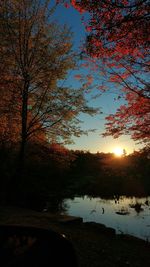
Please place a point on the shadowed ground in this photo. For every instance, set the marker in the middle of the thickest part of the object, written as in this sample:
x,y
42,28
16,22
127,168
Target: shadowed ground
x,y
95,245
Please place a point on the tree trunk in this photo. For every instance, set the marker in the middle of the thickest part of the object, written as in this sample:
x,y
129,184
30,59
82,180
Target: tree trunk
x,y
24,114
15,181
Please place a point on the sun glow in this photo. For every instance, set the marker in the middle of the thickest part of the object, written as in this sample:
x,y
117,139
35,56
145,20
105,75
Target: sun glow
x,y
118,151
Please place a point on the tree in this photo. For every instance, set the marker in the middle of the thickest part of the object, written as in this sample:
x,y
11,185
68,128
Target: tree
x,y
37,55
117,43
114,26
133,118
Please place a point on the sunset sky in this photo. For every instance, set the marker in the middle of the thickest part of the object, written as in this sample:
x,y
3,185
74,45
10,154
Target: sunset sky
x,y
93,142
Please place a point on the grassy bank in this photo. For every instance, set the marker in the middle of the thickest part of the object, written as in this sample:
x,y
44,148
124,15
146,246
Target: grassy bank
x,y
95,246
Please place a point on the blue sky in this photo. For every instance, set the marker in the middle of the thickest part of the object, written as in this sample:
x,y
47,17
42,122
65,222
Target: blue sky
x,y
93,142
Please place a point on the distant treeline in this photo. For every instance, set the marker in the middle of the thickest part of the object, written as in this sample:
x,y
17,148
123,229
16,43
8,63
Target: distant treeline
x,y
52,173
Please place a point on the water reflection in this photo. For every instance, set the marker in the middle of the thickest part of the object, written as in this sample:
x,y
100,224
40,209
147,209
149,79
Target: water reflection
x,y
137,206
129,215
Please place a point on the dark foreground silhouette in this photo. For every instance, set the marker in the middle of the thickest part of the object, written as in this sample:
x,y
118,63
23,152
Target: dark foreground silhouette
x,y
29,246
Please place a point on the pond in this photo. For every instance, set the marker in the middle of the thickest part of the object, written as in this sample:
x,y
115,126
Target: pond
x,y
127,215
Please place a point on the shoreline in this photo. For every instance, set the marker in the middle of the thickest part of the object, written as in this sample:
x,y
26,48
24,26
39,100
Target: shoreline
x,y
22,216
95,245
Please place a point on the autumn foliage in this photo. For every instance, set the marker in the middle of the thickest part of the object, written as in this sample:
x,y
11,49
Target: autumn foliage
x,y
35,57
116,28
118,44
133,119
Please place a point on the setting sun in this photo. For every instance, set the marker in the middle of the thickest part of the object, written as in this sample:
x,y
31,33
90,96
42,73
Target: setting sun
x,y
118,151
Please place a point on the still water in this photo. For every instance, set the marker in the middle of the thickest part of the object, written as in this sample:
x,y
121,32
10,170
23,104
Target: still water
x,y
128,215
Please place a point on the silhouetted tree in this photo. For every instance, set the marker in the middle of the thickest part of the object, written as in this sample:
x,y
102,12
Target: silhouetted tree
x,y
38,54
